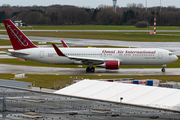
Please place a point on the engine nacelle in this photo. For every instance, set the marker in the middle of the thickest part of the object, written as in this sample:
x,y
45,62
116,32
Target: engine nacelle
x,y
112,64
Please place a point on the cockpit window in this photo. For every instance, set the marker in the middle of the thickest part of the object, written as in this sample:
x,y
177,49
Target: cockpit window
x,y
171,54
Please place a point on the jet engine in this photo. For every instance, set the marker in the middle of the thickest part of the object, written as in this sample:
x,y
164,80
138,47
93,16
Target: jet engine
x,y
110,64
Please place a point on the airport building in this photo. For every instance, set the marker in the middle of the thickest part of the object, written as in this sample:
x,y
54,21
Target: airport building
x,y
90,99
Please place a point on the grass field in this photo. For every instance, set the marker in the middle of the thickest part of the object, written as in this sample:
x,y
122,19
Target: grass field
x,y
123,36
5,42
119,36
142,37
46,81
93,27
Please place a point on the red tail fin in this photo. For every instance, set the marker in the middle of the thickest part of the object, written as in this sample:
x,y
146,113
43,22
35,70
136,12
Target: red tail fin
x,y
17,37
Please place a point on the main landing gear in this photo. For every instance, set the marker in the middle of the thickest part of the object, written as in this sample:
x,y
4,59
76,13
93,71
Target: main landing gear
x,y
90,68
163,69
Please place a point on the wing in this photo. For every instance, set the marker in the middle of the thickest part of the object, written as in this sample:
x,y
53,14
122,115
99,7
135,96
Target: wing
x,y
64,44
84,60
87,60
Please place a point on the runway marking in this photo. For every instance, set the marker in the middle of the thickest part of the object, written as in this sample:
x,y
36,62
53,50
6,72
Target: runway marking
x,y
14,118
43,72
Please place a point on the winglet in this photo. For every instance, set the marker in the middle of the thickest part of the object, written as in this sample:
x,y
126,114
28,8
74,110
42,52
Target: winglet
x,y
64,44
58,51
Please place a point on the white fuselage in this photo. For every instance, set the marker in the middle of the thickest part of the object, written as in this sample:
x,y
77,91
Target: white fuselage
x,y
126,56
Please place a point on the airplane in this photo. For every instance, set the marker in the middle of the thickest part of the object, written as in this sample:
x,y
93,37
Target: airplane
x,y
64,44
109,58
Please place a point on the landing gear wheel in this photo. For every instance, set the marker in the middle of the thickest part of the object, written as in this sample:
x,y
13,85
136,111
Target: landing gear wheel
x,y
88,69
163,70
92,69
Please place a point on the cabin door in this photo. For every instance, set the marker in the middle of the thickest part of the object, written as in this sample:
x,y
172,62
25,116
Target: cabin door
x,y
160,55
41,55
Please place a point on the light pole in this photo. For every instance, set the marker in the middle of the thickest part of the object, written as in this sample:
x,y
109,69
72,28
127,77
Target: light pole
x,y
146,5
114,5
160,5
121,98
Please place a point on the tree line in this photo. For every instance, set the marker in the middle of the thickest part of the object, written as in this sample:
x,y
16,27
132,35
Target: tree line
x,y
102,15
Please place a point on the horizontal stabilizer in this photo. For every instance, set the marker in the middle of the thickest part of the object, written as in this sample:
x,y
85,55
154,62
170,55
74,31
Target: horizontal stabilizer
x,y
14,53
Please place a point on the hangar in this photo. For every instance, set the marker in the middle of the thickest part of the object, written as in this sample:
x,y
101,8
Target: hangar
x,y
129,93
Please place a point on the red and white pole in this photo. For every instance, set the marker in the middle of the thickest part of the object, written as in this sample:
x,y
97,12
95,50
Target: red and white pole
x,y
154,24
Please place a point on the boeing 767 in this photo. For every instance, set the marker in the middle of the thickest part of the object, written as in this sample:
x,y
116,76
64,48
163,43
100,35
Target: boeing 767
x,y
109,58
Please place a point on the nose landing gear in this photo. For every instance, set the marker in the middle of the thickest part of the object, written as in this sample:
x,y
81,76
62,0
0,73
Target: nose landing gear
x,y
163,69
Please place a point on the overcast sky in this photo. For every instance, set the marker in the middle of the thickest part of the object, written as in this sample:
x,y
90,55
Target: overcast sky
x,y
90,3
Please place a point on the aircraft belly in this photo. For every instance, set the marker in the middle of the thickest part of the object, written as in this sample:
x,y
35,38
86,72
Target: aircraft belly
x,y
29,57
63,61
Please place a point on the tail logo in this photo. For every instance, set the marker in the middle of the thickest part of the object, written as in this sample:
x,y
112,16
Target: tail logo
x,y
14,32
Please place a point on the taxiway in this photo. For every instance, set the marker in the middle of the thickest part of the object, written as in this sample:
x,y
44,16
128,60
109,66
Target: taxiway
x,y
10,69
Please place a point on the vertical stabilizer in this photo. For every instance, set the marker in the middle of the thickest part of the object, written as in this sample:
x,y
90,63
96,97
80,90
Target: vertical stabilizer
x,y
17,37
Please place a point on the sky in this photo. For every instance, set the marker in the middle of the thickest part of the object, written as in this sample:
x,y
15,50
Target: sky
x,y
90,3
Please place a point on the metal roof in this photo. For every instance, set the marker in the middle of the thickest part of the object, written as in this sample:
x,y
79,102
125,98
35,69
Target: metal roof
x,y
131,93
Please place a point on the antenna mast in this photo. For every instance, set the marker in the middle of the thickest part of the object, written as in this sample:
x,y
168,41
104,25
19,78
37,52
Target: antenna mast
x,y
146,5
114,5
160,5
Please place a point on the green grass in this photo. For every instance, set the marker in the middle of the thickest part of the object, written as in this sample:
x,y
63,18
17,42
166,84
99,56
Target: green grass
x,y
8,42
5,42
16,61
46,81
2,25
93,27
141,37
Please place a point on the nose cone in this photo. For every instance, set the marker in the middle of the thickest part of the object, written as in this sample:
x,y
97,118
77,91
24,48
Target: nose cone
x,y
175,58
